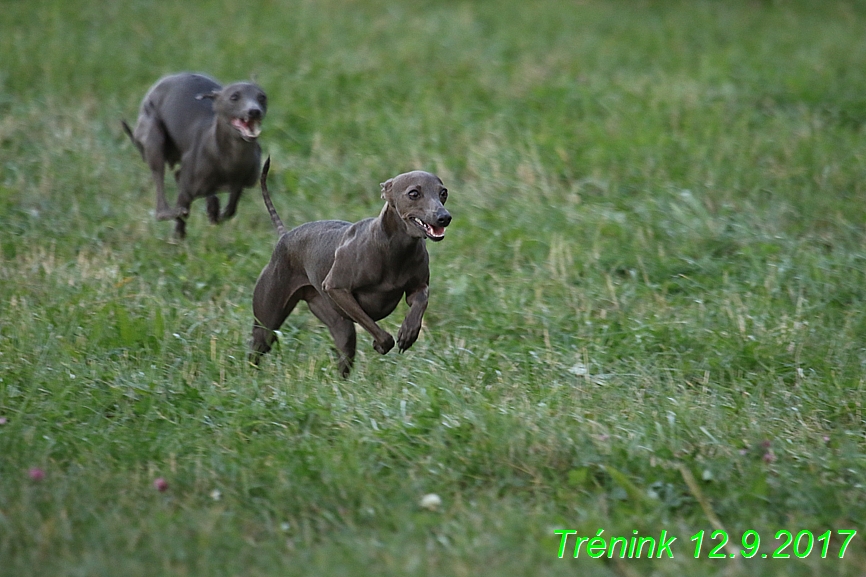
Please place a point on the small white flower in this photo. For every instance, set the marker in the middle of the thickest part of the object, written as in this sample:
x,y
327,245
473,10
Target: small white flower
x,y
216,495
431,501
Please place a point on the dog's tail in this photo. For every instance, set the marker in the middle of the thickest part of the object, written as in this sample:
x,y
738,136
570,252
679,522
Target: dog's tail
x,y
128,132
275,218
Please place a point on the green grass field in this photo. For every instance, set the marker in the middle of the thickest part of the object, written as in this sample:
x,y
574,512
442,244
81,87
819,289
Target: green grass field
x,y
649,313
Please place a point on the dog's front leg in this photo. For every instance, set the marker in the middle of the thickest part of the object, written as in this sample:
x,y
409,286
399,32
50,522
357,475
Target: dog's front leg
x,y
382,341
232,206
408,333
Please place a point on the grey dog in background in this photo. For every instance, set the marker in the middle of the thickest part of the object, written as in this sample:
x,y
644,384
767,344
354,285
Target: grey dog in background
x,y
211,131
354,273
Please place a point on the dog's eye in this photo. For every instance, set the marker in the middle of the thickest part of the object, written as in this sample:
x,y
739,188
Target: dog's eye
x,y
443,195
414,194
262,99
234,97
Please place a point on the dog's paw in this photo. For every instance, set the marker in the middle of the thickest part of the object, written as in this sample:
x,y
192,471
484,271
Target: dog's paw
x,y
407,337
172,213
385,345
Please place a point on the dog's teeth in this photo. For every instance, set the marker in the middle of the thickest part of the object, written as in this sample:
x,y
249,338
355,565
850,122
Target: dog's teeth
x,y
434,232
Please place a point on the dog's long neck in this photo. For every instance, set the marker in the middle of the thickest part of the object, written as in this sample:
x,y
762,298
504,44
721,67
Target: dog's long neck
x,y
394,228
229,146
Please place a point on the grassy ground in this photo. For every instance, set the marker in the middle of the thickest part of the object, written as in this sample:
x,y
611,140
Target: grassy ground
x,y
648,314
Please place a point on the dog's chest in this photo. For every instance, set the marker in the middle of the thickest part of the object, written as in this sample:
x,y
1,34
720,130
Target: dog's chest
x,y
224,172
380,303
379,299
378,274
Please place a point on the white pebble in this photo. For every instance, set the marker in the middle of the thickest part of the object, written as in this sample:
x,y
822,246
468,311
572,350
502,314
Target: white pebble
x,y
431,501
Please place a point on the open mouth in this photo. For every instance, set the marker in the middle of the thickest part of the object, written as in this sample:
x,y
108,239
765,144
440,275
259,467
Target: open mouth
x,y
249,129
435,233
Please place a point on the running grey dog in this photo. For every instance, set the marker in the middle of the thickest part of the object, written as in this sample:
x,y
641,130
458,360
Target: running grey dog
x,y
354,273
211,131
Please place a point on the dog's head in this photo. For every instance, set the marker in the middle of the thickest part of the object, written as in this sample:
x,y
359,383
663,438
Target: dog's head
x,y
243,105
418,198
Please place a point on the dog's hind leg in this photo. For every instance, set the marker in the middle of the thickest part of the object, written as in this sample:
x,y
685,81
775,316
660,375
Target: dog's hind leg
x,y
152,141
273,301
157,170
265,329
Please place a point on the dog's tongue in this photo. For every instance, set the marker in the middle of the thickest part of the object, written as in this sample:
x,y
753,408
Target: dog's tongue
x,y
438,230
249,130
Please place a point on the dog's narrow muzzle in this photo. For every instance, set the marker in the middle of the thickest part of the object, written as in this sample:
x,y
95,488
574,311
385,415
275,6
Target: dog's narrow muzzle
x,y
443,218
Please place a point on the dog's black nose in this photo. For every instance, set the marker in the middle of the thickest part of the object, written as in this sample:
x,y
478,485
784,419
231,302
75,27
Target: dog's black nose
x,y
255,113
443,219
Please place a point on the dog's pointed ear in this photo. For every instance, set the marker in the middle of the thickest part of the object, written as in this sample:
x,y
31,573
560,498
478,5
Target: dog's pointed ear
x,y
209,95
386,186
